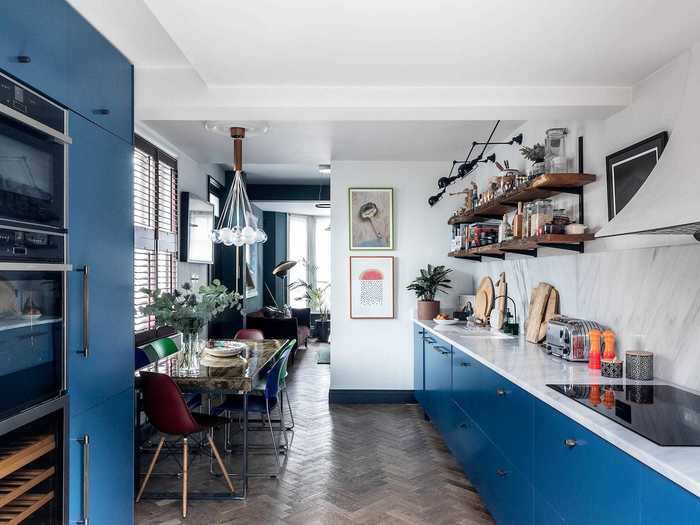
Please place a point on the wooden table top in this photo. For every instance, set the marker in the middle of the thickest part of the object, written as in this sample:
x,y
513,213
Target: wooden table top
x,y
240,376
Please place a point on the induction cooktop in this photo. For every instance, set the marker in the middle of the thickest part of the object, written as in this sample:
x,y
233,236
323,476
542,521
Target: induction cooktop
x,y
664,414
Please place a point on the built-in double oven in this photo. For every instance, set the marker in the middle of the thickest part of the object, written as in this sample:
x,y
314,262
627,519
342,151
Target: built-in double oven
x,y
33,278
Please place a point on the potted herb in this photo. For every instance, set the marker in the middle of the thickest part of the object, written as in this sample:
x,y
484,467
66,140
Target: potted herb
x,y
188,312
534,154
315,297
427,285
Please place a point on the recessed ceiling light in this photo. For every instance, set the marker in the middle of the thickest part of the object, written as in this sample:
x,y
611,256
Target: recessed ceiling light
x,y
323,205
324,169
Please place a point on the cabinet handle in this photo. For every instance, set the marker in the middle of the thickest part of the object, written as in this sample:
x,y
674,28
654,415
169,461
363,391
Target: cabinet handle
x,y
570,443
442,350
430,340
463,425
85,352
502,473
500,392
24,59
85,442
101,111
465,364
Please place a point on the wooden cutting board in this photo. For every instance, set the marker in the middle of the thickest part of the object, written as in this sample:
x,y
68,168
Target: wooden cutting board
x,y
552,310
535,315
485,286
480,305
501,293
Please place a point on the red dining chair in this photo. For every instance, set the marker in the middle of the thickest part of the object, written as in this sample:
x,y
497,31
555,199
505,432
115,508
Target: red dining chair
x,y
168,413
249,333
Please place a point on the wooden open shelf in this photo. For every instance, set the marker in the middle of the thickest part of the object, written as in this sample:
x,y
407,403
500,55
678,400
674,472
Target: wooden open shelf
x,y
21,482
22,452
527,246
541,187
23,507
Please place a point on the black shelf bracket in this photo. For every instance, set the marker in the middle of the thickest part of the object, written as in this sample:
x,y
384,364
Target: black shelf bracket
x,y
578,247
494,255
529,253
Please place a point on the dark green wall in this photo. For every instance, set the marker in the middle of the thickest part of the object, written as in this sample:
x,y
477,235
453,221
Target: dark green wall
x,y
256,303
274,251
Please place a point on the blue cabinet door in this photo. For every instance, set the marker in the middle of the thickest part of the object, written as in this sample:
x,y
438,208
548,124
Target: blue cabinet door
x,y
101,237
418,364
572,466
438,380
665,502
544,513
33,44
101,79
109,470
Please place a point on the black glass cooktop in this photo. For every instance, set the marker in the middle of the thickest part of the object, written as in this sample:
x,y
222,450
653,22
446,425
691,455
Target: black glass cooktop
x,y
664,414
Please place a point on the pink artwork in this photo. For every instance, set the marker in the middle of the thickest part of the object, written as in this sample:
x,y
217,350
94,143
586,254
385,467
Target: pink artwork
x,y
371,287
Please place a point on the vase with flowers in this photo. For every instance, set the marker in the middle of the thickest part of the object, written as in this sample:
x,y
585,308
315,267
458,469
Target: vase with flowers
x,y
188,311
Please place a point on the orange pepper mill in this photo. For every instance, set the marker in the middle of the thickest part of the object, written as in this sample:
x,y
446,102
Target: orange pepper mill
x,y
609,337
594,354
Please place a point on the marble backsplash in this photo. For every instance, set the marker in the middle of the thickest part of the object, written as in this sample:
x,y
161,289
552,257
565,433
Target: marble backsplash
x,y
650,297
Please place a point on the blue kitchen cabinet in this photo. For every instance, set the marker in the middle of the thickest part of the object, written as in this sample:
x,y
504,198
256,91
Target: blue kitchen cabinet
x,y
418,364
33,44
100,79
665,502
438,381
103,467
584,477
543,513
101,238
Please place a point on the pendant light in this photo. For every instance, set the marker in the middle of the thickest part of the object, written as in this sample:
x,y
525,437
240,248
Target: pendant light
x,y
238,225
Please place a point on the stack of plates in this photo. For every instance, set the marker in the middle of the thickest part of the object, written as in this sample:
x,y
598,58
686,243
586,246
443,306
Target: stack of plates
x,y
232,349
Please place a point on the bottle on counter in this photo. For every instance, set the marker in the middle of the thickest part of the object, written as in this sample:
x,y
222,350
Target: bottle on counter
x,y
609,340
594,354
518,219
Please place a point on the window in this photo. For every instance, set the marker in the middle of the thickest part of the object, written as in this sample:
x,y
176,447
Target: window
x,y
155,225
309,238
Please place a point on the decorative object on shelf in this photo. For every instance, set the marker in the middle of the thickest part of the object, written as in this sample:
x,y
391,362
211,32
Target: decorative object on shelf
x,y
371,218
639,365
465,307
431,281
188,312
534,154
555,160
371,287
315,297
575,229
628,168
611,368
484,300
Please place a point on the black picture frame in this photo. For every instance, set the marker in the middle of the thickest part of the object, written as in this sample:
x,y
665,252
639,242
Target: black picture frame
x,y
627,169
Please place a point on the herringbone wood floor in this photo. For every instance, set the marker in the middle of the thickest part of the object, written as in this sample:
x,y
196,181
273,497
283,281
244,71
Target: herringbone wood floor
x,y
348,464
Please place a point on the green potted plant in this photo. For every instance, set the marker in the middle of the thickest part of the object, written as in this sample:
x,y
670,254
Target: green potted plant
x,y
426,286
534,154
315,297
188,312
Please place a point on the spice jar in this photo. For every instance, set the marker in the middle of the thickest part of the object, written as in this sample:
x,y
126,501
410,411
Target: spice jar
x,y
555,150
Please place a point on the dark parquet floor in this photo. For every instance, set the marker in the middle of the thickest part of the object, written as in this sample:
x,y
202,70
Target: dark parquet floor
x,y
348,464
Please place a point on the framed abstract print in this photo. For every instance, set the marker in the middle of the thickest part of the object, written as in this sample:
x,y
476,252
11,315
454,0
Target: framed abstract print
x,y
371,287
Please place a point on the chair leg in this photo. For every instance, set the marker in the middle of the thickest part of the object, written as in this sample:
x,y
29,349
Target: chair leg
x,y
150,469
185,469
215,451
289,405
274,440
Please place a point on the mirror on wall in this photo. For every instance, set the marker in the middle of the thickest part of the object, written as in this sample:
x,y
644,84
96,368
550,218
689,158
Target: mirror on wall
x,y
196,224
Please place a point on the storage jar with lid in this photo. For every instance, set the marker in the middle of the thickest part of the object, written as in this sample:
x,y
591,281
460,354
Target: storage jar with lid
x,y
555,160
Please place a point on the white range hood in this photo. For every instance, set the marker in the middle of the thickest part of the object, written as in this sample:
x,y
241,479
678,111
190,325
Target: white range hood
x,y
669,200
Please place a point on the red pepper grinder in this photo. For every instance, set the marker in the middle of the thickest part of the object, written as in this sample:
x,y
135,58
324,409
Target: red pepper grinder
x,y
594,354
609,338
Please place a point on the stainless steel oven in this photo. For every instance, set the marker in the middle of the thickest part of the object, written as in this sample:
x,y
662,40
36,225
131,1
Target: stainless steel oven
x,y
32,319
33,159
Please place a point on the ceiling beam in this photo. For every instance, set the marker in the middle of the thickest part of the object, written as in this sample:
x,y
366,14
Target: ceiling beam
x,y
180,94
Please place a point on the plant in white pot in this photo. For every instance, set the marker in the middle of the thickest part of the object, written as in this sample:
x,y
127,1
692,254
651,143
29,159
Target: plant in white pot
x,y
427,285
316,298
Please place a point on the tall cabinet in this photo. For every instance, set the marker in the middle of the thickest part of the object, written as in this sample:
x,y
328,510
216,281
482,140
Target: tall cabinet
x,y
51,48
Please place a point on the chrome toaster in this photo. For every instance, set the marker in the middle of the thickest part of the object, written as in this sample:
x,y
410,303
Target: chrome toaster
x,y
568,338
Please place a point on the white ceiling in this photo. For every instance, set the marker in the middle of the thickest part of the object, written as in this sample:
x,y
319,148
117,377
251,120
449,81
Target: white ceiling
x,y
381,80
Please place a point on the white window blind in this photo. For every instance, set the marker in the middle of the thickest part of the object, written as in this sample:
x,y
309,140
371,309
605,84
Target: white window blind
x,y
155,225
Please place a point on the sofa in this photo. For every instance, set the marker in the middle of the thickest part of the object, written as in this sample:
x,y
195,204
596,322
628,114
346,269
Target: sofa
x,y
297,327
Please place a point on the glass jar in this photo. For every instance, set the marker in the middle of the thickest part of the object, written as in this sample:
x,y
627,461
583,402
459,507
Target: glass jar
x,y
555,160
560,217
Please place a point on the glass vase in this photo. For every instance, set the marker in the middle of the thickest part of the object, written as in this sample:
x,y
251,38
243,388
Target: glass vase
x,y
188,358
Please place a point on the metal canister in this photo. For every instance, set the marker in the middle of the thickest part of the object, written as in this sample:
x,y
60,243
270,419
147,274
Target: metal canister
x,y
639,365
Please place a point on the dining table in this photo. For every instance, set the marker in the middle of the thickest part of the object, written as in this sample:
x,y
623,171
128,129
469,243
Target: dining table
x,y
219,376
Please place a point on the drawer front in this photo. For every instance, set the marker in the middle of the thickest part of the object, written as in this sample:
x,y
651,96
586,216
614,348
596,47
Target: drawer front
x,y
465,380
470,447
418,364
438,380
664,502
570,466
543,513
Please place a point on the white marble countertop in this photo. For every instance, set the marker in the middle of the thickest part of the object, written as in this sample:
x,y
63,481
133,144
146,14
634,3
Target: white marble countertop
x,y
531,368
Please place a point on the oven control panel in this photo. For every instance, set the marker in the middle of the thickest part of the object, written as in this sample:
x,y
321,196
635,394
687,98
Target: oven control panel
x,y
31,246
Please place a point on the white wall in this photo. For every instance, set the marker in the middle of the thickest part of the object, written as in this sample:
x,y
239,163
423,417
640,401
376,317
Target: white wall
x,y
377,354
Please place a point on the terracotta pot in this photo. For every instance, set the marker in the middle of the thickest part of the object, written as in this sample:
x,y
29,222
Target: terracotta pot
x,y
427,310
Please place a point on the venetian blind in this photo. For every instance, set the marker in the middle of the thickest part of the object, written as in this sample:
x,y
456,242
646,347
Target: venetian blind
x,y
155,225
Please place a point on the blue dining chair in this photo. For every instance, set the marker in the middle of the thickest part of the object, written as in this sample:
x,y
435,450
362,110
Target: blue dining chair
x,y
263,404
